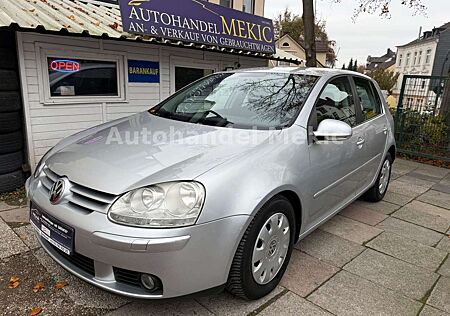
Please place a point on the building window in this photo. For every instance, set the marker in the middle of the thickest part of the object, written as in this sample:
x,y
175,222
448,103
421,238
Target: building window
x,y
428,58
285,44
226,3
407,58
400,60
419,61
415,58
82,77
249,6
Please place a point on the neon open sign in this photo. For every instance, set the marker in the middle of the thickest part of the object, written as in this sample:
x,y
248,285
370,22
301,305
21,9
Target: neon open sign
x,y
65,65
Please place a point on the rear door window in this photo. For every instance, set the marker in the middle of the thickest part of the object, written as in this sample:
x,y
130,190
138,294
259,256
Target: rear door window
x,y
368,98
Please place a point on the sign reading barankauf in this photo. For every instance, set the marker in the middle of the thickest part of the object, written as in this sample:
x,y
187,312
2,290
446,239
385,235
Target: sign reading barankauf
x,y
199,22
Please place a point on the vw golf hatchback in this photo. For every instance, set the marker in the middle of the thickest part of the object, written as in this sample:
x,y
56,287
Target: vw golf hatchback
x,y
211,188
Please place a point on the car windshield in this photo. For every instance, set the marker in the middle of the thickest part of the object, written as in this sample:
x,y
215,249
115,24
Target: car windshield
x,y
247,100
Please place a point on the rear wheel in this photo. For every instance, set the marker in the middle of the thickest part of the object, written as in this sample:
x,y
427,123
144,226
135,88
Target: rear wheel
x,y
379,189
264,251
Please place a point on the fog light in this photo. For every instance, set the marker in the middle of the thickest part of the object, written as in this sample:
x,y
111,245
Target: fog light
x,y
148,282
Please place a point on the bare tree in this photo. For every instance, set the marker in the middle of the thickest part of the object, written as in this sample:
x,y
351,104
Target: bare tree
x,y
310,37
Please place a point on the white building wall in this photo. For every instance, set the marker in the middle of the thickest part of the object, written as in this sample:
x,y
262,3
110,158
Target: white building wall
x,y
48,123
421,68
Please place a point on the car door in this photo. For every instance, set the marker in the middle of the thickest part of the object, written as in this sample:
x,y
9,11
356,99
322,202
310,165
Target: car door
x,y
373,128
334,164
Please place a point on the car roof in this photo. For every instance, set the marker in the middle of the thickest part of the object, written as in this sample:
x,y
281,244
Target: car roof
x,y
320,72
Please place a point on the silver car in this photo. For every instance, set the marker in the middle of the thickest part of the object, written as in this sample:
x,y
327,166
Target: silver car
x,y
211,188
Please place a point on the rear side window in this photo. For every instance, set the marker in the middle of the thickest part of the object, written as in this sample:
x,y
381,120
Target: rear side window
x,y
368,98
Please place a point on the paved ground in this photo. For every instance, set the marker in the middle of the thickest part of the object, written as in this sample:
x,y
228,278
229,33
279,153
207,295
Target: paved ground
x,y
388,258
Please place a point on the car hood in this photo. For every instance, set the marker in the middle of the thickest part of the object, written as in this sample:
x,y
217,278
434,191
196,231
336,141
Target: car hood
x,y
145,149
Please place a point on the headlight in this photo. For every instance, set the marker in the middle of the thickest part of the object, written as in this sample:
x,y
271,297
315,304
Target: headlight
x,y
172,204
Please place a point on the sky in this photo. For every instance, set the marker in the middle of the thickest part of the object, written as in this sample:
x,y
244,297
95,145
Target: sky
x,y
369,34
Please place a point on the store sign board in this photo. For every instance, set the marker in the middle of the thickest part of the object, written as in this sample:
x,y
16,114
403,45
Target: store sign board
x,y
143,71
200,22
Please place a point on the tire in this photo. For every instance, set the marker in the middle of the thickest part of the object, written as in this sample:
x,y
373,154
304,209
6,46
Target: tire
x,y
11,142
11,162
377,192
10,101
11,181
241,281
9,80
10,122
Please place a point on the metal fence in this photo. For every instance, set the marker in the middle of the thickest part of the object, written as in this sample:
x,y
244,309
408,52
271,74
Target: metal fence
x,y
422,119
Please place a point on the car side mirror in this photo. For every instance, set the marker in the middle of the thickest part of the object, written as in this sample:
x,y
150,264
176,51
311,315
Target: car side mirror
x,y
332,130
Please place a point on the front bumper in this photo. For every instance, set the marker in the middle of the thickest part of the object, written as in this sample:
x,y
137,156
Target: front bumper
x,y
186,260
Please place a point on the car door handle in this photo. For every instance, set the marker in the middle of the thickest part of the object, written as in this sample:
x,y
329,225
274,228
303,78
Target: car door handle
x,y
360,142
385,130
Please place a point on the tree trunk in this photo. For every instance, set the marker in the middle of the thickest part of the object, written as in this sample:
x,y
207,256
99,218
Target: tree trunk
x,y
310,38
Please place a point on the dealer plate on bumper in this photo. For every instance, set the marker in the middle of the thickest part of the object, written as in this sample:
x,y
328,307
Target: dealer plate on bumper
x,y
55,232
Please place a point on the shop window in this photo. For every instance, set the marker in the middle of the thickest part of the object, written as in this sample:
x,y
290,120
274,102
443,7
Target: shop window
x,y
82,78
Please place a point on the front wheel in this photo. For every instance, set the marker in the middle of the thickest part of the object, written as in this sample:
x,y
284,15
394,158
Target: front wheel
x,y
264,251
379,189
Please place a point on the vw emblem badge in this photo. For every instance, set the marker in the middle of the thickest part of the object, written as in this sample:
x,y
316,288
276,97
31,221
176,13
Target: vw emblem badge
x,y
57,191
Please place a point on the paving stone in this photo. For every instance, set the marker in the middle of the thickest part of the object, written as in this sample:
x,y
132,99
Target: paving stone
x,y
408,250
444,269
436,198
350,229
432,171
18,215
305,273
425,215
418,180
381,207
392,273
291,304
396,198
80,292
21,300
444,244
431,311
10,243
411,231
330,248
5,207
173,307
28,236
444,188
418,174
440,297
407,189
348,294
363,214
404,166
228,305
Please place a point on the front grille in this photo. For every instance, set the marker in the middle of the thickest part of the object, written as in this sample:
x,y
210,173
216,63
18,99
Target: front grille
x,y
82,198
126,276
84,263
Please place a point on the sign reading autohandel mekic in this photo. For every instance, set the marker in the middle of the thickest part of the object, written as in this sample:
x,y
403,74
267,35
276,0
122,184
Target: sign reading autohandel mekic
x,y
200,22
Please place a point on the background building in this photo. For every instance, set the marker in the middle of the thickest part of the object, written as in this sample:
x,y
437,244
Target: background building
x,y
423,56
296,47
387,61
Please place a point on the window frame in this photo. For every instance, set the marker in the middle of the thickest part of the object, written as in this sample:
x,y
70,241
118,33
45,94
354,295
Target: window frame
x,y
68,53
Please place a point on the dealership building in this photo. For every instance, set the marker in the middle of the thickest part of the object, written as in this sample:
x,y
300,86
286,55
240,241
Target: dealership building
x,y
68,65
